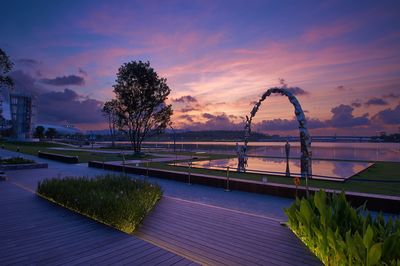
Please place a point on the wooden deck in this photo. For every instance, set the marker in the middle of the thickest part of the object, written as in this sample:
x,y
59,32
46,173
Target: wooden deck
x,y
34,231
217,236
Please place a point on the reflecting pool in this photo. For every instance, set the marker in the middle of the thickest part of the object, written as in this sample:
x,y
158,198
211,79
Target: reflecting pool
x,y
321,169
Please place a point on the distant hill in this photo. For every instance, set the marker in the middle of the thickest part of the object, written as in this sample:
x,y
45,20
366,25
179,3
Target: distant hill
x,y
214,135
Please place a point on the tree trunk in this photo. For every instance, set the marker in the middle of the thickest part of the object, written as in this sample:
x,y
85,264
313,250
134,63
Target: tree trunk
x,y
137,147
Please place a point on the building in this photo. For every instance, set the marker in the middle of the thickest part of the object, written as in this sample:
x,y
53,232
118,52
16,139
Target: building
x,y
21,110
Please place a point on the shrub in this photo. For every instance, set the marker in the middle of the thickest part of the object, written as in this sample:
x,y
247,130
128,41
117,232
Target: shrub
x,y
16,160
341,235
119,201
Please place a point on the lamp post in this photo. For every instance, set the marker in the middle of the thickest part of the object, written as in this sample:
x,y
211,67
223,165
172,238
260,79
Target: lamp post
x,y
287,152
173,132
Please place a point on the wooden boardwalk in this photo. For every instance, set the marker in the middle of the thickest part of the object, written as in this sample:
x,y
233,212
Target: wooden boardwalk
x,y
217,236
36,232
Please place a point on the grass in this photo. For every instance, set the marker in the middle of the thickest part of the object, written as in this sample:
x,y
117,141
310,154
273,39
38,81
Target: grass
x,y
118,201
32,148
16,160
366,181
86,156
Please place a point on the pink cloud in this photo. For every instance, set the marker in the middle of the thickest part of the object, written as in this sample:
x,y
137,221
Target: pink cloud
x,y
330,31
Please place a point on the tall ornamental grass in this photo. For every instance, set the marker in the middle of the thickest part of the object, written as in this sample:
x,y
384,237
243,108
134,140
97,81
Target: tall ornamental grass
x,y
118,201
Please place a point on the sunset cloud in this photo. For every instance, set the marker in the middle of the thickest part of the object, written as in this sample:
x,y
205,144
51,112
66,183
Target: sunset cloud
x,y
64,81
376,101
218,58
331,31
68,107
342,116
389,116
185,99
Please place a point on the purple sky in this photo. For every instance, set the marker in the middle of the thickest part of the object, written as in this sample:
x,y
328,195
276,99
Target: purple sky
x,y
218,58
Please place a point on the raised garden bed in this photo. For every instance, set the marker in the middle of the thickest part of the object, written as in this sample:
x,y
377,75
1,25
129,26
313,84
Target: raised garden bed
x,y
58,157
9,167
15,160
118,201
19,163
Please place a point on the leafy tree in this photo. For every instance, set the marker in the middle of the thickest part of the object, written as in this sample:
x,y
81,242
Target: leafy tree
x,y
141,96
110,111
5,67
51,133
39,132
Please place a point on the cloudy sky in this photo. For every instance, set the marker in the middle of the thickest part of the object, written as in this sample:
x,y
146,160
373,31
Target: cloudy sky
x,y
218,58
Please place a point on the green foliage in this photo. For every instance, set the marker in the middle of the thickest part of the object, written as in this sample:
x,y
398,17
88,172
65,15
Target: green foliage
x,y
340,235
5,67
141,96
15,160
51,133
39,132
119,201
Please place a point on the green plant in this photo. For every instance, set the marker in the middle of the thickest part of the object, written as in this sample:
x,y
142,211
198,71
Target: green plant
x,y
338,234
119,201
16,160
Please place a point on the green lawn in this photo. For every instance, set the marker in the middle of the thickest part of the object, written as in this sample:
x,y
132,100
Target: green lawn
x,y
379,171
86,156
33,148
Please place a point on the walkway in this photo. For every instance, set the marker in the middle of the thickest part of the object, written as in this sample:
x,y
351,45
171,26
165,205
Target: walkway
x,y
34,231
203,224
217,236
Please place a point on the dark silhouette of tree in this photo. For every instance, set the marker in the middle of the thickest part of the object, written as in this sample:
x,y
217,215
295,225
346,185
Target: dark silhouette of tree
x,y
141,96
51,133
39,132
5,67
5,81
110,111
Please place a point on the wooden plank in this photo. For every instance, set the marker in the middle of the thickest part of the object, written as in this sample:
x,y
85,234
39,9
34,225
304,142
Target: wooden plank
x,y
216,235
89,254
170,261
215,250
283,238
35,231
242,247
180,248
282,234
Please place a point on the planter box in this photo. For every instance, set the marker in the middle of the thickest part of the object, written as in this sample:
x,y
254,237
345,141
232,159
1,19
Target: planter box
x,y
9,167
59,157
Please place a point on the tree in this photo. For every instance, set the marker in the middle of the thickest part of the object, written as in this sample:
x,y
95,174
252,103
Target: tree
x,y
39,132
141,96
51,133
5,67
110,111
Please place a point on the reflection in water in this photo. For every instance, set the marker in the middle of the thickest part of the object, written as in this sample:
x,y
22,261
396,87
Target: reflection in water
x,y
321,150
321,169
